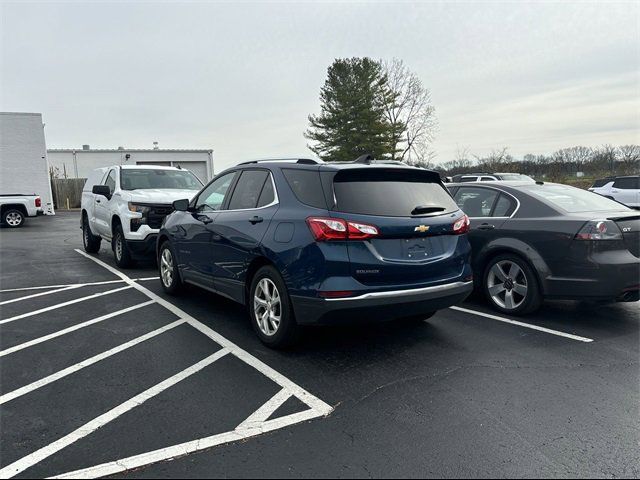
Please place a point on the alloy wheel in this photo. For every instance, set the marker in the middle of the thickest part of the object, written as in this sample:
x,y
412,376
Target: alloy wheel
x,y
507,285
166,267
13,219
267,307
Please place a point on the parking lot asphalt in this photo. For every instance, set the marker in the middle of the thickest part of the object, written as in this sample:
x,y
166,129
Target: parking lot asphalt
x,y
117,378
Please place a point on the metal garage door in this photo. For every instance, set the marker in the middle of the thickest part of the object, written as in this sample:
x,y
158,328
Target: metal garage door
x,y
199,169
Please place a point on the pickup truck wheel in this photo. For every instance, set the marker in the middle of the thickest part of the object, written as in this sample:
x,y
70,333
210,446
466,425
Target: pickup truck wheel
x,y
90,241
13,218
270,309
168,266
120,249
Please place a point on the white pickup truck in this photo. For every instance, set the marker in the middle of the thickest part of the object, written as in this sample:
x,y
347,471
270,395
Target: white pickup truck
x,y
15,208
126,204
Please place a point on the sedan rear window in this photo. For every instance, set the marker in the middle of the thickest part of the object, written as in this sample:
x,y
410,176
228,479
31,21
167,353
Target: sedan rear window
x,y
391,193
573,200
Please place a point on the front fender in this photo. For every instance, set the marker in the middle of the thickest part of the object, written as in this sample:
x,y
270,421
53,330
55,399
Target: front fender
x,y
512,245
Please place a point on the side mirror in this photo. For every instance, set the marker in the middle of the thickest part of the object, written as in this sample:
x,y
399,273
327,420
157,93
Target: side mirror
x,y
103,190
181,205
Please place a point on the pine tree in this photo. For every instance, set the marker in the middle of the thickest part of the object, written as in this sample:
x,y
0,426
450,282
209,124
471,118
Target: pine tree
x,y
352,121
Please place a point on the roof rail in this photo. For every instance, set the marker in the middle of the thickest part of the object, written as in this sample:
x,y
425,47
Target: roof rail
x,y
366,159
305,161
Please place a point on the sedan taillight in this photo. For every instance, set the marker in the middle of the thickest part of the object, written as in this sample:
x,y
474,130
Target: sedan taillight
x,y
327,228
599,230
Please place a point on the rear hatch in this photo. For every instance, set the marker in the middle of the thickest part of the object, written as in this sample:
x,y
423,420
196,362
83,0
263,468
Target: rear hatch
x,y
414,215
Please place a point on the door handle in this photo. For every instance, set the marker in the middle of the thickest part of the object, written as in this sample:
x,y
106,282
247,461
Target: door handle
x,y
255,219
486,226
97,200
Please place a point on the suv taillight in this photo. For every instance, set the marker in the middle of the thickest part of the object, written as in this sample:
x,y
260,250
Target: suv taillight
x,y
38,202
326,228
599,230
461,225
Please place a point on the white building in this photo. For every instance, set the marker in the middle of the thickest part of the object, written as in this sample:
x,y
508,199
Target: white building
x,y
23,157
77,163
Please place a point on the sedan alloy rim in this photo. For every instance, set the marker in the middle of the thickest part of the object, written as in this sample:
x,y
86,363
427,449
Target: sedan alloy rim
x,y
166,267
507,285
267,307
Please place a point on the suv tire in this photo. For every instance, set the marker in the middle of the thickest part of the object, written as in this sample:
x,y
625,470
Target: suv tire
x,y
168,269
270,309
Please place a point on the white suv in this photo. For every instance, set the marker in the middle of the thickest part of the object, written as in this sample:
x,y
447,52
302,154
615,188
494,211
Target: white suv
x,y
127,204
625,190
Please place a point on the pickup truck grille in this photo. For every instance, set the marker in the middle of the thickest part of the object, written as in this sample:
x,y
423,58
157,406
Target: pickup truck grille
x,y
156,215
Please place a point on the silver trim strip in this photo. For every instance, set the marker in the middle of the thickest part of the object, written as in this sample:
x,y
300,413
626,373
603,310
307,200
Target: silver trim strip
x,y
403,293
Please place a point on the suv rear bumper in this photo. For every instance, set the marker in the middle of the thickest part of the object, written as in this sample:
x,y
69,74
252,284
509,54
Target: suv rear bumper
x,y
378,306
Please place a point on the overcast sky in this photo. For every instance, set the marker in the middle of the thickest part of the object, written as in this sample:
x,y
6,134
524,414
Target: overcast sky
x,y
242,77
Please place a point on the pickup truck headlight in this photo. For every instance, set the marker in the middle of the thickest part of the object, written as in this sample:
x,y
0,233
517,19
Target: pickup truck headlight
x,y
141,209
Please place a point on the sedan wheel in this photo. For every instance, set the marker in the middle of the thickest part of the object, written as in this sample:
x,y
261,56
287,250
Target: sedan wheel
x,y
511,285
267,307
507,284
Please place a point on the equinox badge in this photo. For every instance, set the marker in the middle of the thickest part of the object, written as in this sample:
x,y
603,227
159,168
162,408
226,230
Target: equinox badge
x,y
421,228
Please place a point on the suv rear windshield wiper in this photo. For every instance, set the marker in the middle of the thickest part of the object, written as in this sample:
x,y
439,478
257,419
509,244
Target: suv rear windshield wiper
x,y
426,209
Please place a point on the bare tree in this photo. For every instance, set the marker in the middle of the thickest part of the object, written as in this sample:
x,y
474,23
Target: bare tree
x,y
408,108
630,157
494,160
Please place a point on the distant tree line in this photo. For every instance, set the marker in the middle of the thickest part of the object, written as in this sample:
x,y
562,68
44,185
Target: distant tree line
x,y
599,161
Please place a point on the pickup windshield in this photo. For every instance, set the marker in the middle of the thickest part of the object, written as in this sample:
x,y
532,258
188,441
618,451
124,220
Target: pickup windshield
x,y
138,179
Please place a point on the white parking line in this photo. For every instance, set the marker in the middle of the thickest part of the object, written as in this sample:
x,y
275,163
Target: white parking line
x,y
27,297
321,407
44,287
90,427
64,304
73,328
524,325
85,363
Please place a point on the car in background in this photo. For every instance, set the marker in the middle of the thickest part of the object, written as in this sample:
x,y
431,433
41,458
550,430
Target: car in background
x,y
491,177
544,240
625,190
15,208
126,204
302,242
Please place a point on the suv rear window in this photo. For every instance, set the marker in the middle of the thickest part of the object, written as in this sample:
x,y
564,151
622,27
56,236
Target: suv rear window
x,y
390,193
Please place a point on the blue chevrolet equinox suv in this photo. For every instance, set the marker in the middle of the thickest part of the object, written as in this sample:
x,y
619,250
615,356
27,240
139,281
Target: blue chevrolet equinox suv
x,y
303,242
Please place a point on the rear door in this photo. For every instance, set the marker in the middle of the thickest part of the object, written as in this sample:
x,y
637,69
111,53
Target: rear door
x,y
414,215
239,228
625,190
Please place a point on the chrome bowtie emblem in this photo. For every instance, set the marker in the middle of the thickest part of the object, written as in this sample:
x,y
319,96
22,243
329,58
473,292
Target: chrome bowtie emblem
x,y
421,228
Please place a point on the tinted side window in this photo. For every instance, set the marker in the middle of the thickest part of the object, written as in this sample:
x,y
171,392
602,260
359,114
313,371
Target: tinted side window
x,y
627,183
504,207
476,202
487,179
247,191
468,179
267,196
111,180
212,197
306,186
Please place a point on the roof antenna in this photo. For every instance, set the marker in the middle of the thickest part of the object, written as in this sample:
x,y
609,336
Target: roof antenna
x,y
366,159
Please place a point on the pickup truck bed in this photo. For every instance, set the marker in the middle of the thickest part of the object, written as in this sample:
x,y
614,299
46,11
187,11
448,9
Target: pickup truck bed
x,y
16,207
